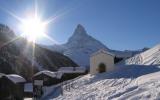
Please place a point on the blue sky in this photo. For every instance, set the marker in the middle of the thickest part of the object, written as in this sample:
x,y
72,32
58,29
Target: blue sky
x,y
119,24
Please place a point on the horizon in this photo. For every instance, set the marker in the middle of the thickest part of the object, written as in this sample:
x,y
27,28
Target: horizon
x,y
120,25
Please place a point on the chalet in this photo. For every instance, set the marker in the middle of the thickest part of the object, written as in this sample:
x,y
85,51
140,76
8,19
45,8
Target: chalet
x,y
11,87
48,77
101,61
43,79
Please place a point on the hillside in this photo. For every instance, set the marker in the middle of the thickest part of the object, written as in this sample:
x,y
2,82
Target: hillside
x,y
17,56
149,57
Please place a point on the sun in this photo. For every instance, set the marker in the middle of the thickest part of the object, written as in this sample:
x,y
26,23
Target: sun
x,y
33,28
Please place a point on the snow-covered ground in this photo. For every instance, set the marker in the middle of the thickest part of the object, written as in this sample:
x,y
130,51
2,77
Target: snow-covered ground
x,y
136,78
131,82
149,57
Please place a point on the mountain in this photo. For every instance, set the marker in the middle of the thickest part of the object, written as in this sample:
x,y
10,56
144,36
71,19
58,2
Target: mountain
x,y
17,56
149,57
80,46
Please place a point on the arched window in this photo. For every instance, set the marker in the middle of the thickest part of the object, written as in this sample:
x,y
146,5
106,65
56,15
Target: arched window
x,y
102,68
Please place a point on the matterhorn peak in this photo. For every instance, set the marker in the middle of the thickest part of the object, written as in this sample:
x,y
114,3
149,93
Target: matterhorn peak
x,y
79,34
80,30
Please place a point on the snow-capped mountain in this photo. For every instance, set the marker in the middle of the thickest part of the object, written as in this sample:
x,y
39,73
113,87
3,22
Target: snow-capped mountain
x,y
81,45
80,39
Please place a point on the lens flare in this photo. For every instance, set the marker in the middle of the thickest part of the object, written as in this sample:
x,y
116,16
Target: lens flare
x,y
33,28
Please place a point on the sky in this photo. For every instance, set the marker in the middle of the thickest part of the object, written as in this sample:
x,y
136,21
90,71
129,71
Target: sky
x,y
119,24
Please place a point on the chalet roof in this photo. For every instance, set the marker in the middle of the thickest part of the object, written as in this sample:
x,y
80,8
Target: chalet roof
x,y
15,78
104,51
72,70
50,73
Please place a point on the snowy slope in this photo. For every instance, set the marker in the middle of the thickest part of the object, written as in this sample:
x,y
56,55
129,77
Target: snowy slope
x,y
149,57
131,83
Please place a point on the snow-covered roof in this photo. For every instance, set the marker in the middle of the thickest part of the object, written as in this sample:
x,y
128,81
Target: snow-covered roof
x,y
72,70
15,78
50,73
102,51
2,74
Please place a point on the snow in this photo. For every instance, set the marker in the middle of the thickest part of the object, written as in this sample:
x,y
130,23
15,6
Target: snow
x,y
51,92
136,78
80,46
50,73
1,74
72,70
148,78
15,78
149,57
55,90
129,83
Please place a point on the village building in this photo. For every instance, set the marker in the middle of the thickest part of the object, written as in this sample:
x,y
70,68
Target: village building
x,y
48,77
101,61
43,79
11,87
